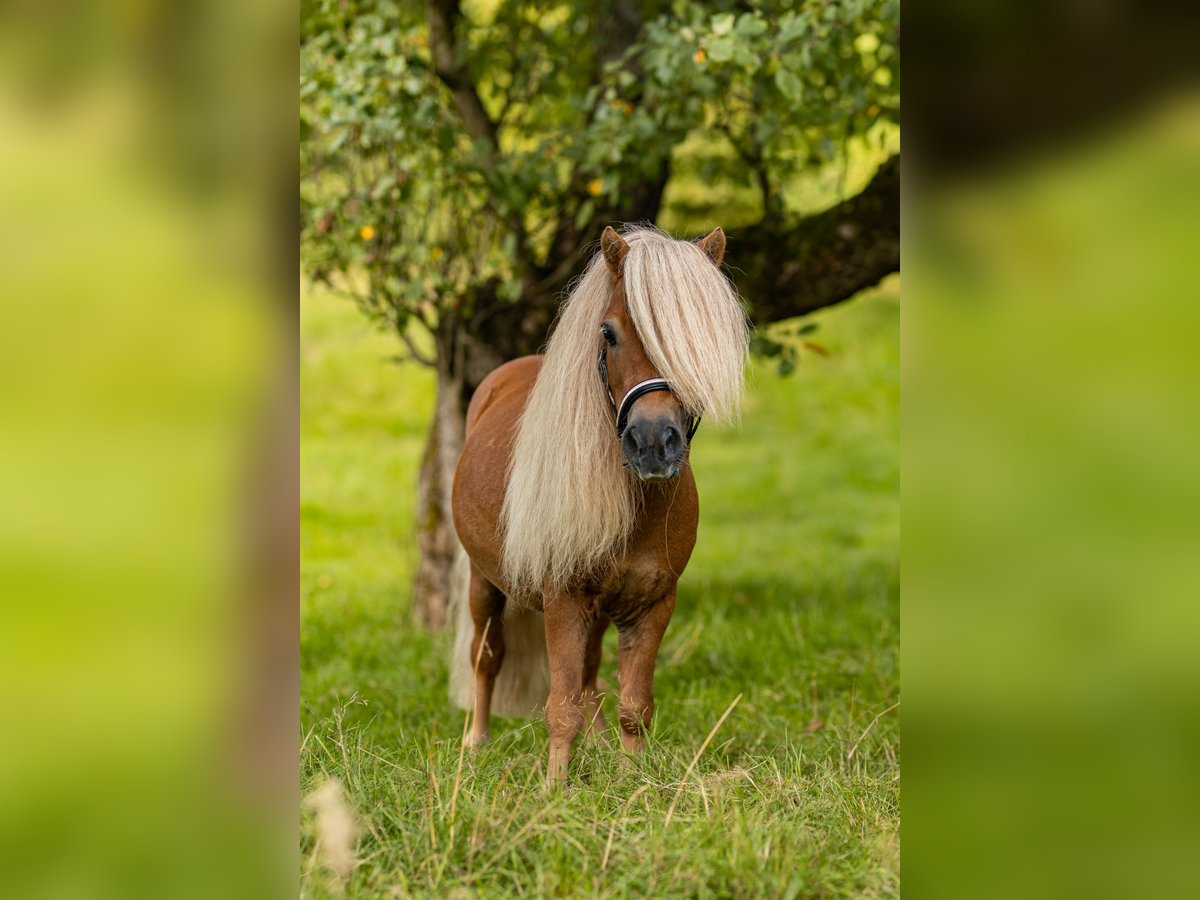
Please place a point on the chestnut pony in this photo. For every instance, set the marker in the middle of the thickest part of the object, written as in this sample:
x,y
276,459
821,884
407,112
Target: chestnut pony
x,y
573,497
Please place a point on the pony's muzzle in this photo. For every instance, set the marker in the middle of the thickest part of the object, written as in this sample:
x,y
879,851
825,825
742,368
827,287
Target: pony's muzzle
x,y
653,448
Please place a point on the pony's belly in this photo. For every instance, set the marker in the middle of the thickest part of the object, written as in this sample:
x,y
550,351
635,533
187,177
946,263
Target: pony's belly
x,y
476,508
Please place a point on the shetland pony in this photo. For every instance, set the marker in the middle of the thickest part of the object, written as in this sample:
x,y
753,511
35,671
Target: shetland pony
x,y
573,497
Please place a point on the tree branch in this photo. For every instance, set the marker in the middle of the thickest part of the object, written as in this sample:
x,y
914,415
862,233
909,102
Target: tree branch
x,y
618,27
413,352
753,158
788,268
442,16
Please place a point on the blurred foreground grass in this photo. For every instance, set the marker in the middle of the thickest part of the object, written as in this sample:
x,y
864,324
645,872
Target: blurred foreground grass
x,y
1051,577
139,359
791,600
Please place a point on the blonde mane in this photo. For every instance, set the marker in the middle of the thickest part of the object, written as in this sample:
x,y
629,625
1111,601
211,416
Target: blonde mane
x,y
570,505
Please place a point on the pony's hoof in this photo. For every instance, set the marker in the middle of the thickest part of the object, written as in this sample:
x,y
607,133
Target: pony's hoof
x,y
476,741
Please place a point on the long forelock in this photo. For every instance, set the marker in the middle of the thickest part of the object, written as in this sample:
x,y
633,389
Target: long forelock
x,y
689,320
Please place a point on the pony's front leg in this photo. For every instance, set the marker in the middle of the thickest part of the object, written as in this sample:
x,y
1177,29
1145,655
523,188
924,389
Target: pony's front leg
x,y
566,643
637,650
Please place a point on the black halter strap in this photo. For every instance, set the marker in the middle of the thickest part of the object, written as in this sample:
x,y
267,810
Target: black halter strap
x,y
649,386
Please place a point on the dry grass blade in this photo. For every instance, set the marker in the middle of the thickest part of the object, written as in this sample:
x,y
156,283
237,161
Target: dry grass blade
x,y
515,841
462,747
617,821
867,730
696,758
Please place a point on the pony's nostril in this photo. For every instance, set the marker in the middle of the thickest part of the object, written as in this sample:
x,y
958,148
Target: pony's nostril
x,y
631,435
671,441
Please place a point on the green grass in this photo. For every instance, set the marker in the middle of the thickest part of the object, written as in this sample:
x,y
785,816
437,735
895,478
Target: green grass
x,y
791,601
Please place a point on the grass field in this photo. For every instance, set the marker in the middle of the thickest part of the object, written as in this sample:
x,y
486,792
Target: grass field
x,y
791,602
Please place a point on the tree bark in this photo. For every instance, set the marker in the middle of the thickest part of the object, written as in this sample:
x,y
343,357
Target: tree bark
x,y
436,540
434,528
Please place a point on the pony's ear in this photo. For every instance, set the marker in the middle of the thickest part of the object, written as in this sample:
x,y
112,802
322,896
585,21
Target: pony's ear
x,y
614,248
714,245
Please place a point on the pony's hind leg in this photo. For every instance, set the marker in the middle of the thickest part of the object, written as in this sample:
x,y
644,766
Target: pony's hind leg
x,y
594,723
487,650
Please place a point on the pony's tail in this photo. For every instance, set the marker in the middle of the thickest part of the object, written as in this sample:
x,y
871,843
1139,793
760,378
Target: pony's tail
x,y
462,681
523,684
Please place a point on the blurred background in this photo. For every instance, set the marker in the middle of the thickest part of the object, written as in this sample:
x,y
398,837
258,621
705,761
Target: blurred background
x,y
1050,383
147,450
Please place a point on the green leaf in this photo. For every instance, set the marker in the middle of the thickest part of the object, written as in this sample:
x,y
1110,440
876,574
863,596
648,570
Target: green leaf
x,y
509,290
720,50
745,57
382,186
761,345
866,43
722,24
585,214
789,85
751,25
792,26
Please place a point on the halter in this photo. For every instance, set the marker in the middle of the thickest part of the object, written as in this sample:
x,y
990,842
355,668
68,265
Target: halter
x,y
649,386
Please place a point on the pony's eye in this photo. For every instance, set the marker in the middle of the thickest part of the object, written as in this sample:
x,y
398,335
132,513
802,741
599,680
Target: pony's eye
x,y
610,336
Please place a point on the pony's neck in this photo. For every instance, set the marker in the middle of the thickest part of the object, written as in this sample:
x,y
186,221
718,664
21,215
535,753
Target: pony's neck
x,y
654,498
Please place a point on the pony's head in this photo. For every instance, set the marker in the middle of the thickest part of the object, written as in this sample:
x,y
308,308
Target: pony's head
x,y
652,424
647,307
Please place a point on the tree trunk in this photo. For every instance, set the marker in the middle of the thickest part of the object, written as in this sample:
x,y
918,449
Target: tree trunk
x,y
436,540
462,362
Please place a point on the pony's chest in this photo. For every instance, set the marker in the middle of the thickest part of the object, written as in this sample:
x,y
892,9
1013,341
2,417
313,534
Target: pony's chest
x,y
625,595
